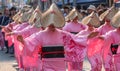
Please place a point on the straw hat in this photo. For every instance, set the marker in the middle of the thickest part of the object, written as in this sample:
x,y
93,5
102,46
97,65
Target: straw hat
x,y
116,20
108,14
86,19
92,7
91,19
26,7
35,19
26,15
74,13
53,16
17,16
95,20
67,19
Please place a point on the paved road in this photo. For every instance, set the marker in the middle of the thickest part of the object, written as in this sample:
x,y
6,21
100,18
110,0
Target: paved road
x,y
6,63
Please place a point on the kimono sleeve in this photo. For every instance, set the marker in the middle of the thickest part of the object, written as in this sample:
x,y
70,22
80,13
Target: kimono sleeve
x,y
107,44
33,43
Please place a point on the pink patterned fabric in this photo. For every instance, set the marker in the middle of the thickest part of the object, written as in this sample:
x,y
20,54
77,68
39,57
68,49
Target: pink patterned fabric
x,y
29,30
58,37
44,38
74,27
113,37
16,43
9,38
26,32
103,29
21,26
94,53
117,61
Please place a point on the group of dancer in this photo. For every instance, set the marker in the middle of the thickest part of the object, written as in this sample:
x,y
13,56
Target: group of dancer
x,y
49,41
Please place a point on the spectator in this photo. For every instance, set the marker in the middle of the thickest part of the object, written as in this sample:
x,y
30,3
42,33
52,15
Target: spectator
x,y
91,8
4,21
66,10
5,17
12,12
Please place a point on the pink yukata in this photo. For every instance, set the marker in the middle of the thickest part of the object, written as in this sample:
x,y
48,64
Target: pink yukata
x,y
94,47
103,29
74,27
89,50
59,38
18,27
112,37
117,60
9,38
29,30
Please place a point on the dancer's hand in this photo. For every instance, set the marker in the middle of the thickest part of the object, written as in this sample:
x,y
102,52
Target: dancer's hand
x,y
93,34
20,39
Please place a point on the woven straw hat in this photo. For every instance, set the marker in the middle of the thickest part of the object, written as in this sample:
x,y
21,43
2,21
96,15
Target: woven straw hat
x,y
53,16
108,14
91,19
16,15
74,13
35,19
67,18
116,20
26,7
26,16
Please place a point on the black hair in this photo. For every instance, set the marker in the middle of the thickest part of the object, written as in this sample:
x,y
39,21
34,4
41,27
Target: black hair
x,y
12,9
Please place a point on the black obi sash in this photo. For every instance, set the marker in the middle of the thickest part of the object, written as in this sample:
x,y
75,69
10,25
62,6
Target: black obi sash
x,y
53,52
74,32
114,48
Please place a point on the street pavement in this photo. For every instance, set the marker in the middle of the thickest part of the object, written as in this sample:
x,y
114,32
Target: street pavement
x,y
6,63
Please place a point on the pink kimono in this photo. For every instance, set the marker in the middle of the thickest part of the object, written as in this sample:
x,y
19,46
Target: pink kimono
x,y
59,38
113,37
117,60
74,27
29,30
16,43
103,29
94,47
9,38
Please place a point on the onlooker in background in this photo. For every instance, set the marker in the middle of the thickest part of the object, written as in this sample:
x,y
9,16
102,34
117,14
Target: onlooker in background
x,y
91,8
101,6
83,12
4,17
0,13
66,10
4,21
12,12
